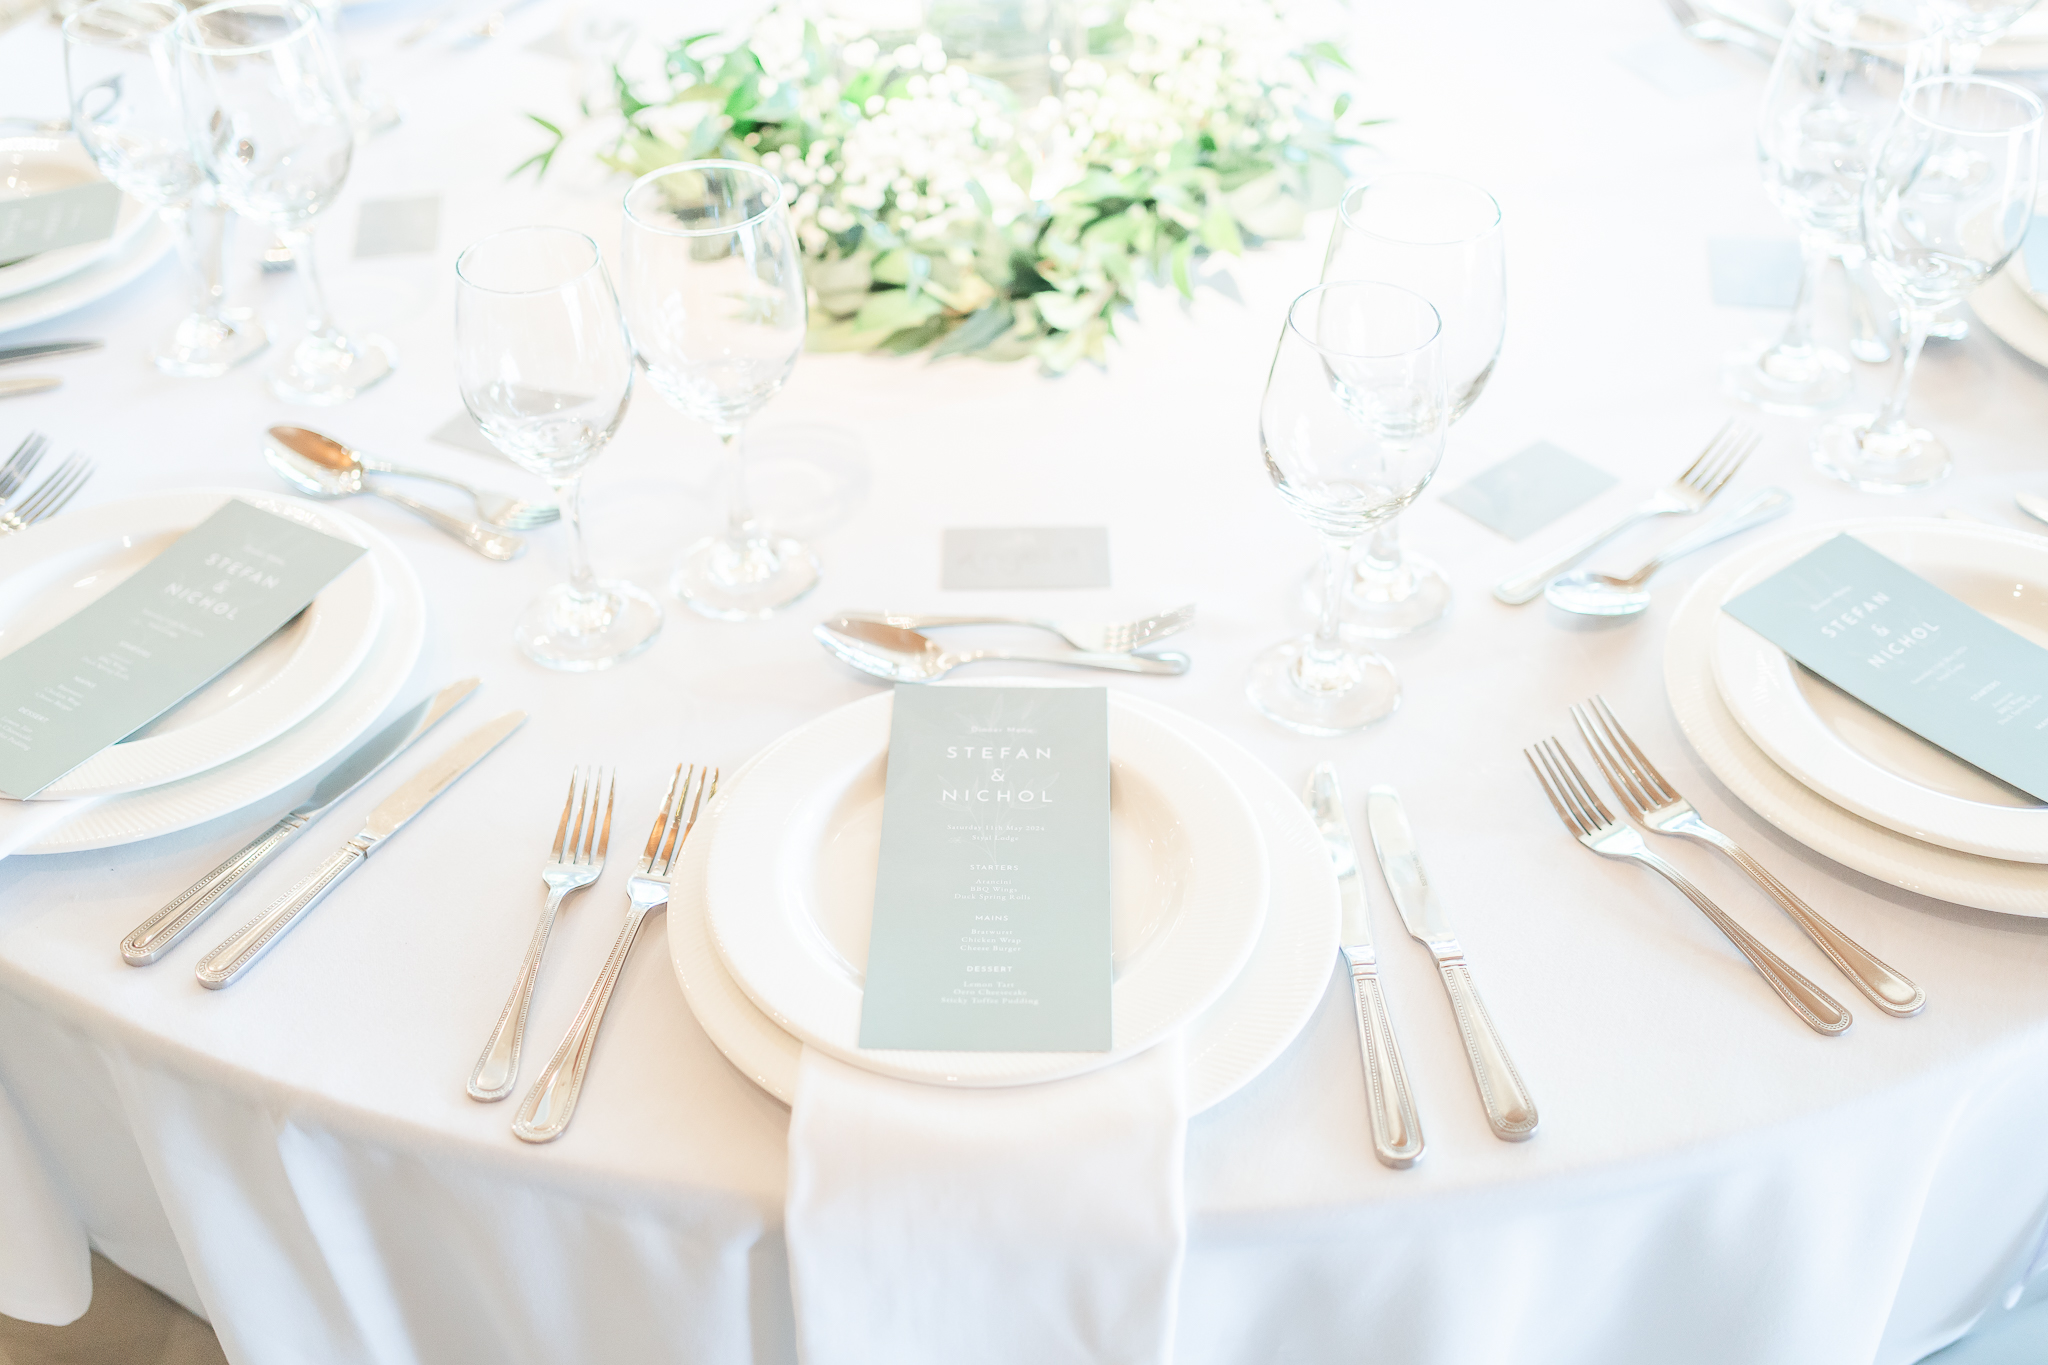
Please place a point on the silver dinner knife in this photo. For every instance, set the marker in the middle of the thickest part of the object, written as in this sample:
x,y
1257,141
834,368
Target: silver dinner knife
x,y
1396,1131
239,951
1508,1106
161,932
10,354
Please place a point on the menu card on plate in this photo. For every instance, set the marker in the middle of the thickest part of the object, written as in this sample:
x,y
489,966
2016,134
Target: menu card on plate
x,y
992,918
1908,650
217,592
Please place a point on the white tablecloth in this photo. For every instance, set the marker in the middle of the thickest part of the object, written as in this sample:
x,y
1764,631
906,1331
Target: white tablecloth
x,y
1713,1182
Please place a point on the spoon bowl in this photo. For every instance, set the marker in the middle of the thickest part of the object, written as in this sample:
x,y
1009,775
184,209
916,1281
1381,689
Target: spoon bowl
x,y
1585,593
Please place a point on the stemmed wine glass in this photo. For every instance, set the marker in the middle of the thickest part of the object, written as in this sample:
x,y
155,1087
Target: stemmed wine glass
x,y
1838,76
716,305
1969,26
1948,200
273,126
1440,237
1352,428
544,366
124,108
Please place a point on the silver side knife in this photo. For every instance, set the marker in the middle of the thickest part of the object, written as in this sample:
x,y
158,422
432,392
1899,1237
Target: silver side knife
x,y
162,931
226,964
1396,1131
10,354
1508,1106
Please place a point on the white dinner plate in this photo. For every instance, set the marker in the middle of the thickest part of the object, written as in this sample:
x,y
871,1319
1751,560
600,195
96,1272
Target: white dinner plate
x,y
295,754
791,883
1803,814
110,274
1850,753
38,164
54,570
1235,1039
2013,315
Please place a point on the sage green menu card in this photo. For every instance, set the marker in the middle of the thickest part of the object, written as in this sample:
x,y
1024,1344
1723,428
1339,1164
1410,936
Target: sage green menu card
x,y
992,917
1910,651
217,592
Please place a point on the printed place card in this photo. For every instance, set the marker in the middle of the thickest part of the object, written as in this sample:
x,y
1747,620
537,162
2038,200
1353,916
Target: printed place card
x,y
992,900
1025,557
1529,490
398,227
1753,272
71,216
1908,650
220,590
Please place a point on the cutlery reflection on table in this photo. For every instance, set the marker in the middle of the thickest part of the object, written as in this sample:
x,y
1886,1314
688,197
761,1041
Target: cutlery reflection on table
x,y
1123,637
1585,593
323,467
901,655
1589,820
161,932
47,498
227,963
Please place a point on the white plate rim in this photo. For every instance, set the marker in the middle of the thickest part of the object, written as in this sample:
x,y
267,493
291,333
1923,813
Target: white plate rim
x,y
1152,1000
2016,317
47,267
108,275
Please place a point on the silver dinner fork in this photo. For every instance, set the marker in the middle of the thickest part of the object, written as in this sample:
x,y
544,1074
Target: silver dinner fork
x,y
22,462
1122,637
1657,804
1690,492
48,498
545,1112
576,861
1595,826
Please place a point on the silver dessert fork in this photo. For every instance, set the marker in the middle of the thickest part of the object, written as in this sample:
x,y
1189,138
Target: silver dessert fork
x,y
22,462
576,861
48,498
1122,637
1658,805
545,1112
1596,828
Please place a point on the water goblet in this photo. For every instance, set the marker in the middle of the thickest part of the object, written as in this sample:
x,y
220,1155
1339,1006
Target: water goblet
x,y
1440,237
1352,429
124,108
544,366
716,306
1969,26
273,126
1948,200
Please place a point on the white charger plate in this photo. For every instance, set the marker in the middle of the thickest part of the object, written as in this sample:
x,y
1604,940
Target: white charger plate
x,y
791,881
38,164
1234,1040
53,570
296,754
1856,757
108,275
1790,805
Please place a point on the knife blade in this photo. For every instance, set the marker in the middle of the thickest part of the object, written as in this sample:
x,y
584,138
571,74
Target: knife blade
x,y
1508,1107
163,931
10,354
227,963
35,383
1396,1130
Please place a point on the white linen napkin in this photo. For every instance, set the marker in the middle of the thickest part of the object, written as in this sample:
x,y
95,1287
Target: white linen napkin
x,y
24,822
1018,1226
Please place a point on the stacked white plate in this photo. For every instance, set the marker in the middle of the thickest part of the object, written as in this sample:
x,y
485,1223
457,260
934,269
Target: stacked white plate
x,y
1833,773
2013,303
297,701
37,288
1224,901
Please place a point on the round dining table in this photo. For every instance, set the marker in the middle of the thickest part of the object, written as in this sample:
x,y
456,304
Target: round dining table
x,y
294,1158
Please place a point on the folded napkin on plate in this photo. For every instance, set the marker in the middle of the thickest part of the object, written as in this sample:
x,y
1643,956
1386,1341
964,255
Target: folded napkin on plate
x,y
1029,1224
24,822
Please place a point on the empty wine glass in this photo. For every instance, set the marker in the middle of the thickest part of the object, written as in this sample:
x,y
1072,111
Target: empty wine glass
x,y
1440,237
1969,26
1838,76
544,366
1352,429
716,305
273,126
124,108
1949,197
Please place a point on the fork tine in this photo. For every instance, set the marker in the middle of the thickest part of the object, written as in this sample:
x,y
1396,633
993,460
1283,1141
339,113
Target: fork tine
x,y
562,829
1577,781
1711,483
60,485
661,821
1638,760
604,839
1617,773
1570,821
1712,445
84,472
1582,813
681,831
585,817
22,462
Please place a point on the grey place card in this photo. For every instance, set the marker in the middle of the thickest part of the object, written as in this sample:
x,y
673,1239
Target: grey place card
x,y
1530,489
217,592
992,900
1753,272
398,227
1908,650
71,216
1025,557
461,431
1676,67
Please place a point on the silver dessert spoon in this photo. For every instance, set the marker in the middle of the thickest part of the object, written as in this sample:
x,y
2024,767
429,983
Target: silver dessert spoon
x,y
323,467
1586,593
902,655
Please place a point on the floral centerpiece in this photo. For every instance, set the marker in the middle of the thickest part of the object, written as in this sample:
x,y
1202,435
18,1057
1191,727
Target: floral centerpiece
x,y
938,210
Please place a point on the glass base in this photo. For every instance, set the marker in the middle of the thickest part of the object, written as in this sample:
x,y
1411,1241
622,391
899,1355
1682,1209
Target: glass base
x,y
201,347
1361,689
1899,460
1380,604
1949,329
1799,380
743,580
329,370
583,634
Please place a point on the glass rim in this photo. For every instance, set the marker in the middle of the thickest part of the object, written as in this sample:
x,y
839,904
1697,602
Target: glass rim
x,y
596,259
1293,325
71,26
2027,100
1353,191
1808,26
719,163
188,24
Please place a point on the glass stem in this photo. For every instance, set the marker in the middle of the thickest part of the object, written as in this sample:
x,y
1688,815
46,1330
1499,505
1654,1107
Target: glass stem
x,y
1918,323
202,232
319,322
1328,648
1383,548
569,497
739,517
1813,259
